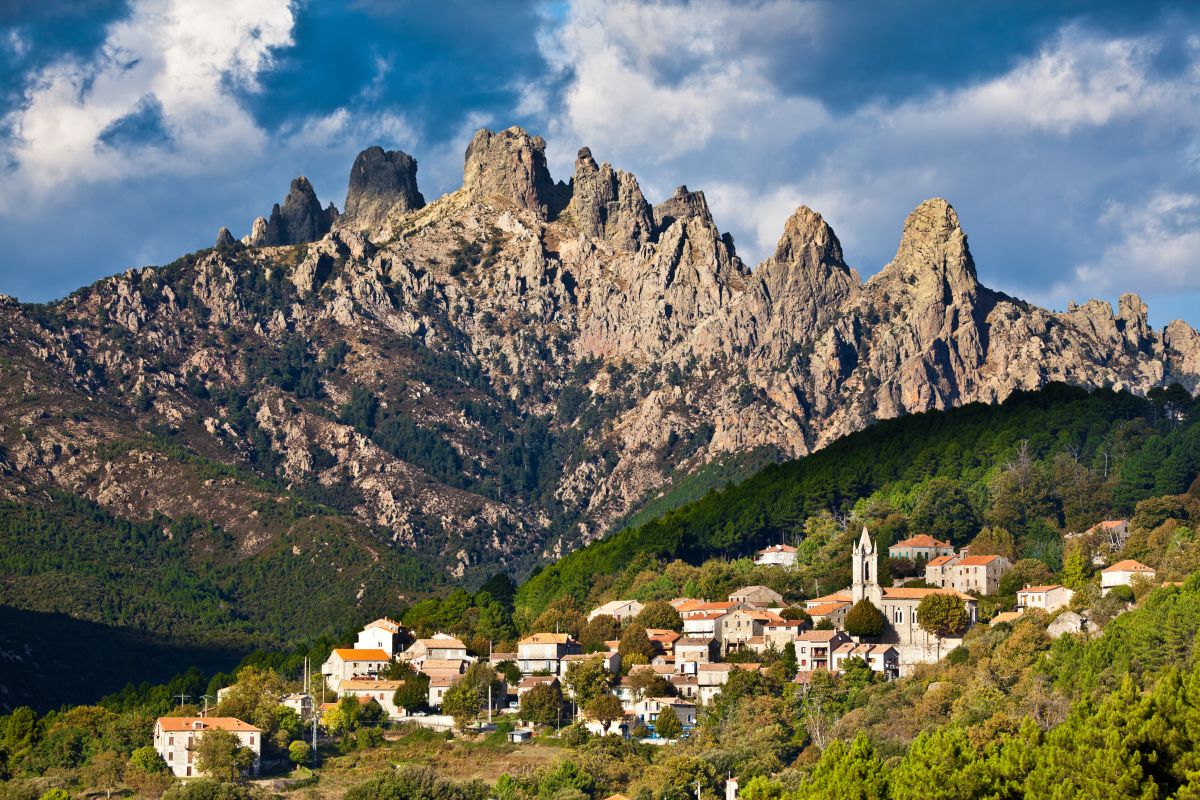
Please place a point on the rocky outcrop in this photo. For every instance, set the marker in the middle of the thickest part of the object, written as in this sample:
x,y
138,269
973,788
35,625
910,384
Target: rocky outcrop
x,y
608,205
225,238
510,167
299,220
383,183
681,205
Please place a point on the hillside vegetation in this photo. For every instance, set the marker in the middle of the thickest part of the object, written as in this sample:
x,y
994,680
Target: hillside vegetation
x,y
1039,463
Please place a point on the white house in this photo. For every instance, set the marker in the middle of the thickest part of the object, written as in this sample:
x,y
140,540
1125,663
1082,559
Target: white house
x,y
777,555
438,686
1047,598
922,547
175,739
345,663
691,651
621,610
440,646
380,691
967,573
881,658
1122,573
543,652
382,634
711,677
301,703
814,649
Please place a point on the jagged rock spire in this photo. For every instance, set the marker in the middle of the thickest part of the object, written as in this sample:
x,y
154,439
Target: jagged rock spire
x,y
511,166
300,219
608,204
933,257
382,183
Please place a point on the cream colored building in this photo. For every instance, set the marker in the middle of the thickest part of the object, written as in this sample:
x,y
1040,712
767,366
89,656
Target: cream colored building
x,y
175,739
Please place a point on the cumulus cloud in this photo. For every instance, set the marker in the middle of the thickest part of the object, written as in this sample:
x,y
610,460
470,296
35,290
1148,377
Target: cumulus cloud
x,y
187,60
667,79
1156,241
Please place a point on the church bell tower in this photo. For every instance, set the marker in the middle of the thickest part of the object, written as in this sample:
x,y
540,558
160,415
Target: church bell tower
x,y
865,567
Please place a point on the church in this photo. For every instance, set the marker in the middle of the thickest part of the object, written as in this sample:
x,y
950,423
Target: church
x,y
899,607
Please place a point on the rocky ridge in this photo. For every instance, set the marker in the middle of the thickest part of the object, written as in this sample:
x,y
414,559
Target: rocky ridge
x,y
506,371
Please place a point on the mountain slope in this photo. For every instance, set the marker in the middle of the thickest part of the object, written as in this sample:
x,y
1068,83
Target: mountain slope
x,y
490,379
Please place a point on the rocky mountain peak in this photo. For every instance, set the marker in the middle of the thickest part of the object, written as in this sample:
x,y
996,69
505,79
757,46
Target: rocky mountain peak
x,y
807,233
933,260
382,183
1134,322
608,204
511,166
683,204
300,219
224,237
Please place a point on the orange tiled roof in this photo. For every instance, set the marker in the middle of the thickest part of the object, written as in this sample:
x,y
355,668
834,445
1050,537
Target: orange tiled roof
x,y
354,654
825,609
176,724
940,561
369,686
777,548
921,540
975,561
546,638
1038,589
913,593
1128,565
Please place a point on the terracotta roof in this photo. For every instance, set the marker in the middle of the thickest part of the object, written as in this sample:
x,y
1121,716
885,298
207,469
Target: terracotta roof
x,y
836,597
1109,523
725,605
921,540
756,587
788,623
706,615
1128,565
817,636
777,548
384,623
756,640
976,561
369,686
443,680
662,634
441,644
353,654
913,593
529,681
176,724
803,677
940,561
546,638
863,648
729,667
613,605
827,608
694,641
444,663
1005,616
1038,589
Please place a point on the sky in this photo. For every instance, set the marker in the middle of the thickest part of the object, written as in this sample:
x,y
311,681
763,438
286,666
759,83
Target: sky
x,y
1066,134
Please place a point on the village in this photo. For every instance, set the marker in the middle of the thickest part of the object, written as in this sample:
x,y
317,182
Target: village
x,y
655,694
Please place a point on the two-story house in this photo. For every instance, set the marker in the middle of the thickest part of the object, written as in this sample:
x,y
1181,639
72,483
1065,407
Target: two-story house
x,y
346,663
757,596
175,739
382,634
543,652
1122,573
621,610
1048,598
814,649
881,658
921,547
440,646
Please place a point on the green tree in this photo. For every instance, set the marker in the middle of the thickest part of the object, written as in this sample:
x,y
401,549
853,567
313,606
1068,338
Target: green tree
x,y
55,794
660,614
667,724
853,772
104,771
146,759
945,510
994,541
299,752
598,630
648,683
605,709
463,702
865,620
588,679
221,755
542,705
634,641
414,694
1076,569
943,615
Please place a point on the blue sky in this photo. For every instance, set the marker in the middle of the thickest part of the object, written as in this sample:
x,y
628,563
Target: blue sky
x,y
1066,134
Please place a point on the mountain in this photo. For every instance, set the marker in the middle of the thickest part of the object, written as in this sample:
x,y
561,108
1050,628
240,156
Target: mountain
x,y
360,405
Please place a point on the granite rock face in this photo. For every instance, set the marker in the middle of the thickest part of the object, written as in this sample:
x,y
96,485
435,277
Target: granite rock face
x,y
299,220
542,357
383,183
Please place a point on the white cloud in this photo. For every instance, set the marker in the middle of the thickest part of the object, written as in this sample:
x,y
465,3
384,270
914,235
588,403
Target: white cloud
x,y
666,79
1155,243
1076,81
188,57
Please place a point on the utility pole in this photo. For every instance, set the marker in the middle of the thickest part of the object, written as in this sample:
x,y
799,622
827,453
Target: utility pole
x,y
206,698
183,698
491,681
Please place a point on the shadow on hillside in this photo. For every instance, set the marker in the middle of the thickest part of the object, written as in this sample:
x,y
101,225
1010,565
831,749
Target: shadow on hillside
x,y
48,660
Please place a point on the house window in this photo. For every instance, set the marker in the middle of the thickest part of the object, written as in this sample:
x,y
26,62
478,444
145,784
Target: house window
x,y
170,740
898,617
170,755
